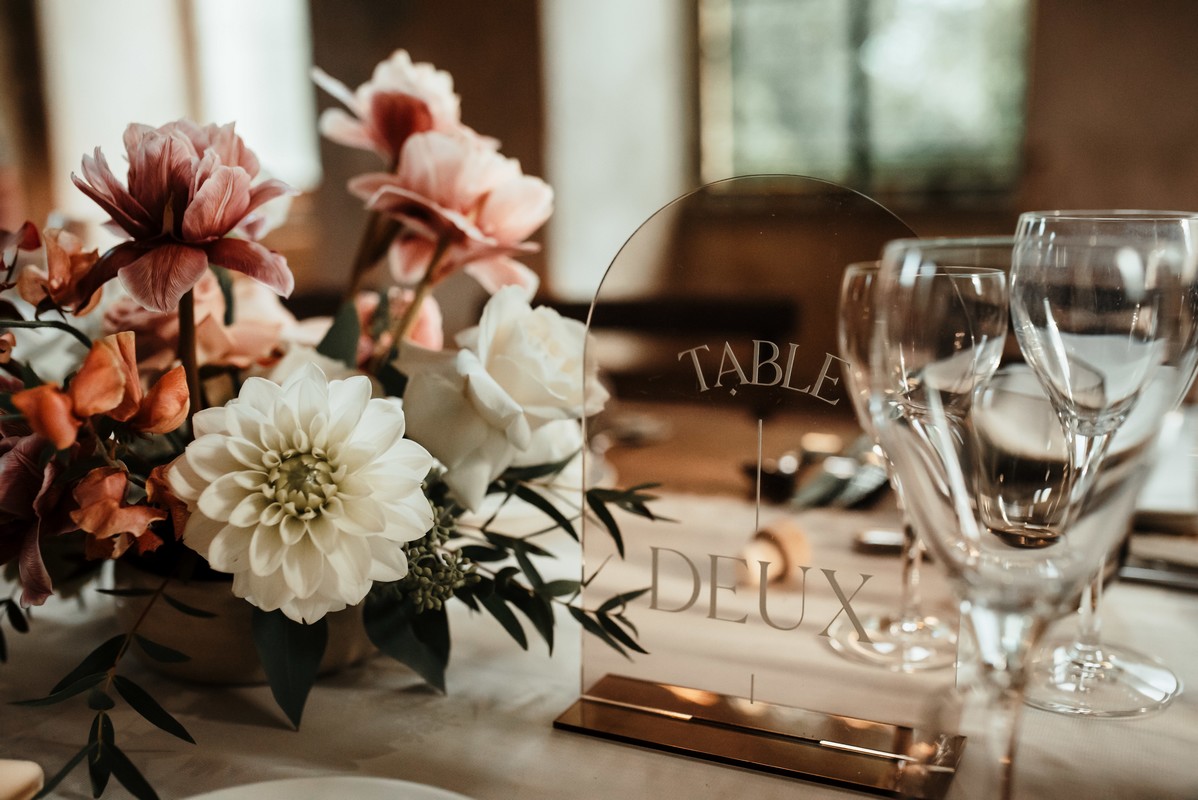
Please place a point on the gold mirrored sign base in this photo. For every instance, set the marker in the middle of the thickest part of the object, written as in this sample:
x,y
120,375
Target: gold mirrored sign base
x,y
860,754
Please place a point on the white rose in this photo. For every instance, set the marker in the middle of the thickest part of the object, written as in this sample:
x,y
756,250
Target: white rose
x,y
537,356
463,417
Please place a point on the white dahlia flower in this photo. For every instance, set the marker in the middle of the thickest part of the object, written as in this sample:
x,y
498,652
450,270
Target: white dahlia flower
x,y
305,492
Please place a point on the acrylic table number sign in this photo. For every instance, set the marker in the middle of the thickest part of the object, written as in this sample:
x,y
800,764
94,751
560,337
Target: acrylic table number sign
x,y
715,330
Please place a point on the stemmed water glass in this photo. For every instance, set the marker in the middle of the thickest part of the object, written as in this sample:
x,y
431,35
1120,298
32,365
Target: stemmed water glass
x,y
1103,304
906,640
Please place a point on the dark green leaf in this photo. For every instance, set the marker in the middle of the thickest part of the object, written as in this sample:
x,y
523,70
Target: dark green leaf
x,y
522,474
469,596
419,640
560,588
595,629
605,517
98,700
149,708
190,611
621,600
160,652
97,662
3,648
512,543
128,775
290,653
132,592
101,738
495,604
482,554
16,617
536,608
52,784
618,633
226,288
393,381
341,341
542,503
502,577
529,570
78,687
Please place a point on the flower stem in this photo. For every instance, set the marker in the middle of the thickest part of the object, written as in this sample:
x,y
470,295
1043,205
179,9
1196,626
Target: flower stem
x,y
187,351
407,320
48,323
376,238
133,630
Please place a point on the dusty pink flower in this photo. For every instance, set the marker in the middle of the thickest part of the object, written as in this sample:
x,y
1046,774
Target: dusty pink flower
x,y
399,100
189,187
458,189
259,322
33,505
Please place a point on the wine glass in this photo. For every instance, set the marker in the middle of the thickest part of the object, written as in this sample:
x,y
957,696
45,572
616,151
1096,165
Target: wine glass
x,y
1103,303
906,640
940,334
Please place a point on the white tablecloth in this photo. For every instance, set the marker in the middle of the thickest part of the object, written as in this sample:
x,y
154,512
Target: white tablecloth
x,y
491,736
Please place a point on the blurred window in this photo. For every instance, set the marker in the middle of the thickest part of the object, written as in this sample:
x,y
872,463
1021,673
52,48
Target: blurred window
x,y
886,96
107,63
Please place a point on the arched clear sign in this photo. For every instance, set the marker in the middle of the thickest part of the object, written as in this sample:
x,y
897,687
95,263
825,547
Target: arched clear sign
x,y
773,546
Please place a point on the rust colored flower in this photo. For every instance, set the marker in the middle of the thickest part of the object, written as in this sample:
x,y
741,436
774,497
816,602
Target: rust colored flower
x,y
399,100
49,413
67,267
112,525
458,189
108,383
160,495
31,507
189,188
23,238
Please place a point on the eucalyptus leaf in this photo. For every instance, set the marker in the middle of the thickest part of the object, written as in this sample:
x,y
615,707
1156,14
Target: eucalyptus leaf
x,y
595,629
97,662
141,702
393,381
537,471
183,608
290,653
418,639
530,571
605,517
561,588
160,652
130,592
128,775
621,600
618,633
78,687
341,341
495,604
536,608
53,782
16,617
543,504
482,554
101,738
98,700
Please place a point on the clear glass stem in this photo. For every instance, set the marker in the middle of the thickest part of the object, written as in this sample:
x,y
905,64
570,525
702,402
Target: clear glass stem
x,y
1004,639
911,593
1086,454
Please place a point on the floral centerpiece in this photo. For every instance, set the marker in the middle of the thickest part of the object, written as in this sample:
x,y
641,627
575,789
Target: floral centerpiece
x,y
204,430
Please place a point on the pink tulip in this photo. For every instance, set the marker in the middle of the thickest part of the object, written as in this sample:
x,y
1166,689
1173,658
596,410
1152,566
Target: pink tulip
x,y
457,188
399,100
188,189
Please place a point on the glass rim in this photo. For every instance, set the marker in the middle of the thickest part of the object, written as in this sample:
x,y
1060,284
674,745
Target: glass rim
x,y
1109,215
950,243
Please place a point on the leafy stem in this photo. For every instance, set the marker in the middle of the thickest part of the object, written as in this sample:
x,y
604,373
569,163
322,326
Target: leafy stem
x,y
83,338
